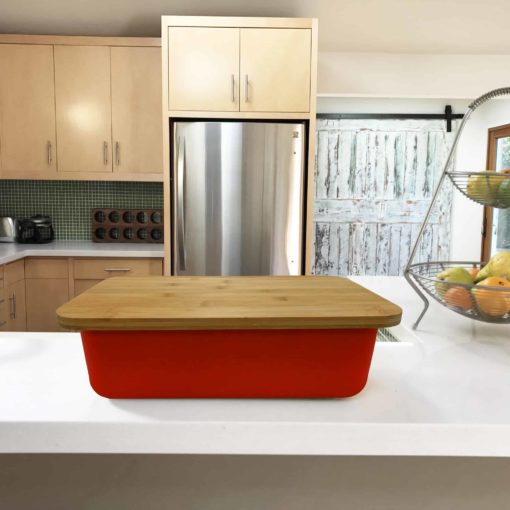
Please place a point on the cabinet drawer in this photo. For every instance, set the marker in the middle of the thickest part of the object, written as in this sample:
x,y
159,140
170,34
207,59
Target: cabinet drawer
x,y
98,269
46,268
14,272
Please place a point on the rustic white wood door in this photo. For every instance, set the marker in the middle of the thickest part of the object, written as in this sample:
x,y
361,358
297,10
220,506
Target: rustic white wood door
x,y
374,182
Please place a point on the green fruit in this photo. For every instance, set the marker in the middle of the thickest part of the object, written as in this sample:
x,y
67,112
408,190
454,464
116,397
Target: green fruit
x,y
503,193
498,265
452,275
484,188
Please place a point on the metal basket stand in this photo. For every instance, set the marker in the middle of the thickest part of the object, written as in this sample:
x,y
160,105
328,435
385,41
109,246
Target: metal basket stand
x,y
408,271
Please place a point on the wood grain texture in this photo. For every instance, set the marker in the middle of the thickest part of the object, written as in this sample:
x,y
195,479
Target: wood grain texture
x,y
43,297
202,62
275,70
79,40
100,268
136,108
374,182
14,272
236,21
83,102
281,302
27,111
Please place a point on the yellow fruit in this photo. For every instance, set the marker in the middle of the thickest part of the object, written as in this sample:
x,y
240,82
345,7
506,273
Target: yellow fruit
x,y
458,297
484,188
498,265
452,275
473,272
493,302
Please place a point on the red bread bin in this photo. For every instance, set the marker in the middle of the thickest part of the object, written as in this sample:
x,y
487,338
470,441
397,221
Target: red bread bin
x,y
236,337
229,364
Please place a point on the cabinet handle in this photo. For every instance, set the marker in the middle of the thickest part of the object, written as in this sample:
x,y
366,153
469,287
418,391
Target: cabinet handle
x,y
12,301
233,89
49,151
117,153
246,86
117,270
105,152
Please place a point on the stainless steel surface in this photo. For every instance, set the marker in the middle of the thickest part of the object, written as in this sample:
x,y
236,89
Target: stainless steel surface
x,y
117,153
410,270
246,86
105,153
8,229
181,202
233,88
238,199
49,151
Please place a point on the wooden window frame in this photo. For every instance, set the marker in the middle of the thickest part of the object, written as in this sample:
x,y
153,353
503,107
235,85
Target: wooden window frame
x,y
494,134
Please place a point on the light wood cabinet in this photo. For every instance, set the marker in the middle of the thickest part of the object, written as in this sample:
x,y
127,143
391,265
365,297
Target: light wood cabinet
x,y
82,89
16,320
47,288
136,110
203,66
14,292
239,69
89,272
99,269
3,302
275,69
27,111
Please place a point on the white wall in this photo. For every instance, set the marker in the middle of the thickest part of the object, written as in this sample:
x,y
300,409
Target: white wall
x,y
411,75
467,216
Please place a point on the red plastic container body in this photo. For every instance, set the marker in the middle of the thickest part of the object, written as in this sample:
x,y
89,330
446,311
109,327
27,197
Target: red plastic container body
x,y
327,363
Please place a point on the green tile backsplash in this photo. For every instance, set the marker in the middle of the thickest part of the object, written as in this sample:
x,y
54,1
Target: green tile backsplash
x,y
69,202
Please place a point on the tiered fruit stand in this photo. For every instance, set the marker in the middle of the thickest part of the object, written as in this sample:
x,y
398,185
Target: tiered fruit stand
x,y
483,303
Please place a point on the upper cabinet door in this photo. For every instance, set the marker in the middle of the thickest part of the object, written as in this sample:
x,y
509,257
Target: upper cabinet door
x,y
275,70
136,110
82,87
27,111
203,69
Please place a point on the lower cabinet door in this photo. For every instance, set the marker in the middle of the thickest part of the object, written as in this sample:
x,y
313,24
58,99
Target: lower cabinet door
x,y
44,296
83,285
16,308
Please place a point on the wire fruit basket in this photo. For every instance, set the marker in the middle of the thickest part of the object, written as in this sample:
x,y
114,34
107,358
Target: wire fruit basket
x,y
478,302
491,189
482,302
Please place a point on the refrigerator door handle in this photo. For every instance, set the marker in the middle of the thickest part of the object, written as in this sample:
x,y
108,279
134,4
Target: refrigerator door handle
x,y
181,225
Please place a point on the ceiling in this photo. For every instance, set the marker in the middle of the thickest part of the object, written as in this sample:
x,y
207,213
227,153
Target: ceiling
x,y
397,26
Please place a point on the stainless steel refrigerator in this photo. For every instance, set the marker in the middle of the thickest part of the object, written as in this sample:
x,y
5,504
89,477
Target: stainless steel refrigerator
x,y
237,198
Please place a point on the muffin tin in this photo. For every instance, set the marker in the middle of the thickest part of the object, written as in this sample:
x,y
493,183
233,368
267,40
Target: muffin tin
x,y
127,225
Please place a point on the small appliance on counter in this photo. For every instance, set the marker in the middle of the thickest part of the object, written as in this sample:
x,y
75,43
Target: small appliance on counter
x,y
8,229
37,229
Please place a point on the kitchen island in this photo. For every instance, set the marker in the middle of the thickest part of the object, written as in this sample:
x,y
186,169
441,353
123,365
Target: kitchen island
x,y
441,392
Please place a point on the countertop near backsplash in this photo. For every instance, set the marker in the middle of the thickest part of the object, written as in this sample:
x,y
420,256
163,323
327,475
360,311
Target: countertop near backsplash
x,y
10,252
69,203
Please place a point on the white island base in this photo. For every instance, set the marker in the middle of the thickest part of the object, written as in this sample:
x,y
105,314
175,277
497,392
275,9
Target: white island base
x,y
430,430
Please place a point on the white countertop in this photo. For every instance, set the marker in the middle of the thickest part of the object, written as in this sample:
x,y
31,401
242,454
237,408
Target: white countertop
x,y
445,392
10,252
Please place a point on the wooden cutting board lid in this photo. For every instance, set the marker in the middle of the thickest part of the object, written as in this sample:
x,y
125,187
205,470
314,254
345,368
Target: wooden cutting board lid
x,y
238,302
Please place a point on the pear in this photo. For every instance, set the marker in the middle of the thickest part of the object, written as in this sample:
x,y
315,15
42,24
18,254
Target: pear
x,y
452,275
484,188
498,265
